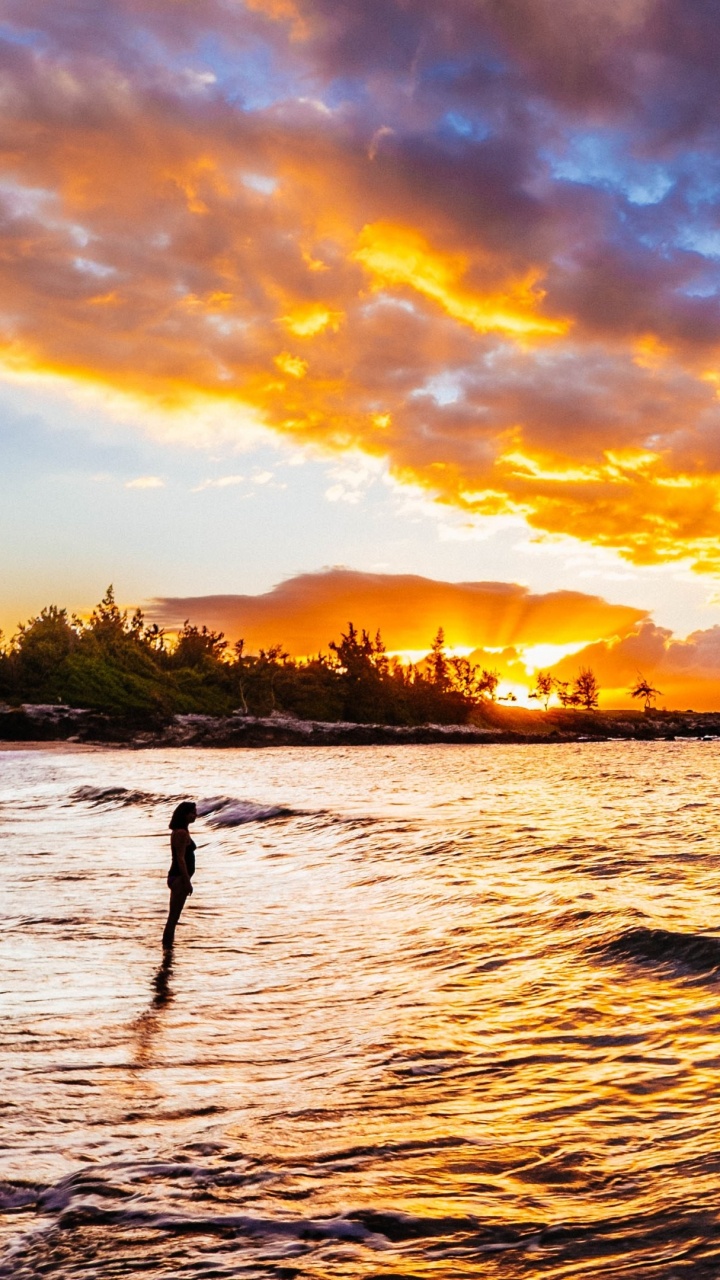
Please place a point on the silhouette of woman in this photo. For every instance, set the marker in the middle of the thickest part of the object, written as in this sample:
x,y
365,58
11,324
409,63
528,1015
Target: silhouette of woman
x,y
182,867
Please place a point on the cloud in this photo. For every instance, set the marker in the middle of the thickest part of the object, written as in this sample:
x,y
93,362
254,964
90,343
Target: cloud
x,y
306,612
220,482
353,208
687,672
146,482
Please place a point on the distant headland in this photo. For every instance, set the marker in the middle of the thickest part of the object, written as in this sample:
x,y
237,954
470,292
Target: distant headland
x,y
115,678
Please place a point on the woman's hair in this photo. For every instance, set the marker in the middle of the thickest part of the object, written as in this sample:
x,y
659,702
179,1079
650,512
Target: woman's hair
x,y
181,814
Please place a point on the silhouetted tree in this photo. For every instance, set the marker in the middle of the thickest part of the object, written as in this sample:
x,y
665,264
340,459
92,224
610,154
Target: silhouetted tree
x,y
586,689
5,678
310,690
362,666
109,626
488,682
240,670
567,697
465,678
198,646
438,665
543,688
267,668
643,689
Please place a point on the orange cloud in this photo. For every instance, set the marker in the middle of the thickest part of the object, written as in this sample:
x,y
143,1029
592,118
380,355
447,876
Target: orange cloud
x,y
401,256
282,11
502,626
497,335
687,672
306,612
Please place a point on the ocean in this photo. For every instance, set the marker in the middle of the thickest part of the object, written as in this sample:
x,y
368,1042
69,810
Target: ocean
x,y
433,1012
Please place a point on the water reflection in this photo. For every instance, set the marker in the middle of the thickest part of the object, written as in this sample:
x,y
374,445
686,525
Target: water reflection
x,y
455,1013
149,1024
161,982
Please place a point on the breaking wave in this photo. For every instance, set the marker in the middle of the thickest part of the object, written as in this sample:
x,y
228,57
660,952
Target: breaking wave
x,y
699,953
118,797
226,811
220,811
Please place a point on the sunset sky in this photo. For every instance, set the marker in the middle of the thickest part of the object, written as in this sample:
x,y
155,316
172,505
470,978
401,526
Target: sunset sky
x,y
397,290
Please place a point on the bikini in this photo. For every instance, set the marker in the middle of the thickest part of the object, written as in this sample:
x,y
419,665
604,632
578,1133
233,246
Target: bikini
x,y
174,871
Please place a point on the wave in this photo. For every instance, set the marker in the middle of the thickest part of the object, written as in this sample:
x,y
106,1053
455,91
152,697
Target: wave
x,y
18,1195
113,1202
221,811
227,811
697,952
361,1226
118,797
73,1202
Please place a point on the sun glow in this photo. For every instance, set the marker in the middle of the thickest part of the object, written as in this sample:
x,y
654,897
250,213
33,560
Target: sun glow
x,y
515,695
413,656
537,657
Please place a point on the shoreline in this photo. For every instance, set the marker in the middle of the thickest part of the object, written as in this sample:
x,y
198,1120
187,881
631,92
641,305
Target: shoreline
x,y
59,745
34,727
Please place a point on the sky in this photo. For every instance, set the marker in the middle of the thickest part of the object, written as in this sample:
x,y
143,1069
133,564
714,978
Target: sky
x,y
297,289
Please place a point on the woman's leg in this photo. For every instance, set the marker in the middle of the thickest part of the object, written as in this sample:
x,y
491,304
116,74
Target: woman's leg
x,y
178,897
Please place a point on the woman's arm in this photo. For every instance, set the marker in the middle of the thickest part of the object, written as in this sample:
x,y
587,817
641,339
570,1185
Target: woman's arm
x,y
179,841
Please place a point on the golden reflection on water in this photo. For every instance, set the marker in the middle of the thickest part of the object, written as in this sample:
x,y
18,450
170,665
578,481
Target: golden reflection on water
x,y
148,1024
398,1033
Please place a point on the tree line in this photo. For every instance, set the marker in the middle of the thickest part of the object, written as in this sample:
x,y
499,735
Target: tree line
x,y
121,664
583,691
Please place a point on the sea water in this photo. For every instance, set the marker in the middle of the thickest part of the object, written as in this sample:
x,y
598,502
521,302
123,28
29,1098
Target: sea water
x,y
432,1012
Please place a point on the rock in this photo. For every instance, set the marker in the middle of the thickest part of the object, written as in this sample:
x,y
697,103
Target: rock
x,y
49,722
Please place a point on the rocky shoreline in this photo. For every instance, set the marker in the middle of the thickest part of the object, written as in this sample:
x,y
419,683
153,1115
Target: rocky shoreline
x,y
49,723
